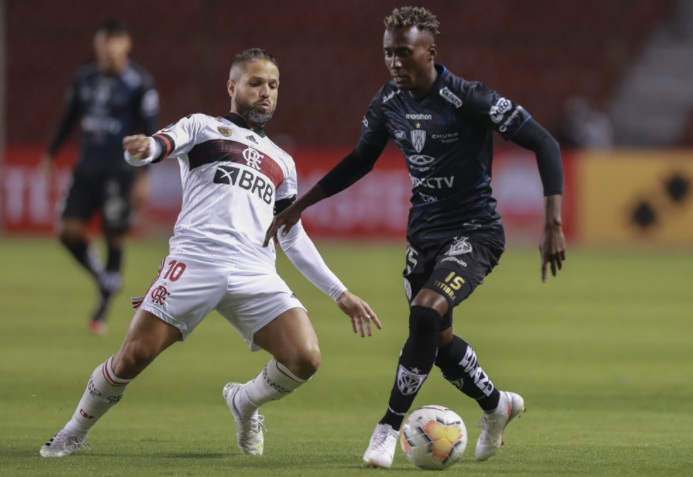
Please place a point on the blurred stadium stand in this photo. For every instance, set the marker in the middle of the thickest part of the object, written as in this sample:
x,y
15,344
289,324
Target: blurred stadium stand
x,y
538,52
612,53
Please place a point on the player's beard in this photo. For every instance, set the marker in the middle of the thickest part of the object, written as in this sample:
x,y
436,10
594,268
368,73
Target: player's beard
x,y
253,115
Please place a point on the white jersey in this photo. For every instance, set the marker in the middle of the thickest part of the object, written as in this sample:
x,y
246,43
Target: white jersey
x,y
231,177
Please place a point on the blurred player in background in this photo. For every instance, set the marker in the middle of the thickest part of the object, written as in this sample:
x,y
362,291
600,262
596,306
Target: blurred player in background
x,y
234,178
443,125
111,98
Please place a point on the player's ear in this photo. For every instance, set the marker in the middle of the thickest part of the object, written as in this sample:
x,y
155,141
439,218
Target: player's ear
x,y
231,87
432,52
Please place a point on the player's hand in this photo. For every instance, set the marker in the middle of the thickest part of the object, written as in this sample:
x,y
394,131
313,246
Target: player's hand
x,y
359,312
137,146
288,218
552,250
47,168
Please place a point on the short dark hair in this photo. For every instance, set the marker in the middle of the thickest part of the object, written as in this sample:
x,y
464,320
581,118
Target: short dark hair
x,y
419,17
113,26
250,55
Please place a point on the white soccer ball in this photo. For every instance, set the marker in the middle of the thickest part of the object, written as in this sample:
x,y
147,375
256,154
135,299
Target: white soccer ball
x,y
433,437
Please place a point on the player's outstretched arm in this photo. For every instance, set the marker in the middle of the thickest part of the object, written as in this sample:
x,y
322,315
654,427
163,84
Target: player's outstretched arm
x,y
552,246
301,251
292,214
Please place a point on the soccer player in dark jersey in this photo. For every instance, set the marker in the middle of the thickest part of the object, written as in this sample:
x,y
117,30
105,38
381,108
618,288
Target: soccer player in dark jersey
x,y
111,98
443,125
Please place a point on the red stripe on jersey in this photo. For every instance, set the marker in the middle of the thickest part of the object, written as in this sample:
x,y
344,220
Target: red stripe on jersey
x,y
218,150
167,141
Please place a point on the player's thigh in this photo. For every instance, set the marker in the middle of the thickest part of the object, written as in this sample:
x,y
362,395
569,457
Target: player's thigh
x,y
254,299
185,291
81,198
117,211
289,336
460,268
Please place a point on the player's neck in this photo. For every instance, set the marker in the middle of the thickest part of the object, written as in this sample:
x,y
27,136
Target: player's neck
x,y
112,68
421,91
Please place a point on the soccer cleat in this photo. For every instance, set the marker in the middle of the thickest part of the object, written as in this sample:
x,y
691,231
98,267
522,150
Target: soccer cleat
x,y
248,428
381,449
493,424
97,327
63,444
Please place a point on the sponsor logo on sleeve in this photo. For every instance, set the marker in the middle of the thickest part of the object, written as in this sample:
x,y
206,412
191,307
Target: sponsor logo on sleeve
x,y
498,110
388,97
451,97
365,122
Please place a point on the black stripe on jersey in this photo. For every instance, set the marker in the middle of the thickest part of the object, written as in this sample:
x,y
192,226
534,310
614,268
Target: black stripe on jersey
x,y
283,204
167,145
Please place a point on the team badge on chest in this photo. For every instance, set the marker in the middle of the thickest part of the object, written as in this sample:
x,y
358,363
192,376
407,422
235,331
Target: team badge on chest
x,y
418,139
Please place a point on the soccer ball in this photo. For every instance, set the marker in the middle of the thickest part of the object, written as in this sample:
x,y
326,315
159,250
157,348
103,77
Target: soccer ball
x,y
433,437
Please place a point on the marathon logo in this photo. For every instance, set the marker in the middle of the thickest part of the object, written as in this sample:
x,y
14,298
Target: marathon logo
x,y
245,179
419,117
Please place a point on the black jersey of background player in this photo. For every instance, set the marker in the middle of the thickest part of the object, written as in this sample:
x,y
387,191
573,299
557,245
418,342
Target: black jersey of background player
x,y
446,139
109,106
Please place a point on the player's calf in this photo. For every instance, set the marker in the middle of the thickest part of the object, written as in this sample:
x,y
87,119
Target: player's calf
x,y
105,389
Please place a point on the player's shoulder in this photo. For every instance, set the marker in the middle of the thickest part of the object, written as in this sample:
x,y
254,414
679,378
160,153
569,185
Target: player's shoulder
x,y
385,93
136,77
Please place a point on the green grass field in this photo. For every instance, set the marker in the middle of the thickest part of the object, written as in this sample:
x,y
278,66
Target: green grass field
x,y
603,356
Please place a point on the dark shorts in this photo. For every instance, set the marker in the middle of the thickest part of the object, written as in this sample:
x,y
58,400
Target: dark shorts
x,y
106,192
452,268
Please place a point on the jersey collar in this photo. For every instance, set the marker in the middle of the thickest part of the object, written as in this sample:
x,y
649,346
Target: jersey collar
x,y
442,73
238,120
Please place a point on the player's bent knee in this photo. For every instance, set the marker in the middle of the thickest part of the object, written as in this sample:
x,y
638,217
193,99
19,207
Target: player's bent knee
x,y
423,319
306,362
132,359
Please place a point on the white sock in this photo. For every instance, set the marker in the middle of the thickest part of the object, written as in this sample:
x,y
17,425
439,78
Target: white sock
x,y
273,383
103,391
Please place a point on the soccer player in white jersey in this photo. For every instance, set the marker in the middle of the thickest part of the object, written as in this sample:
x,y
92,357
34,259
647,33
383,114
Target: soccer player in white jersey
x,y
234,179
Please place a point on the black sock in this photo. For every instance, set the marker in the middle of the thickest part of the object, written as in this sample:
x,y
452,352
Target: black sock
x,y
415,362
85,255
115,259
457,361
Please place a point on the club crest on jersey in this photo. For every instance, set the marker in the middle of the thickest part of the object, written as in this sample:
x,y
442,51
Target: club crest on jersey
x,y
460,247
418,139
252,158
408,382
226,132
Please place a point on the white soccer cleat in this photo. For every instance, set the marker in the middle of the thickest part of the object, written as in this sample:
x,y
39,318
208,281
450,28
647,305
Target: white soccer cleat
x,y
63,444
248,429
381,449
492,425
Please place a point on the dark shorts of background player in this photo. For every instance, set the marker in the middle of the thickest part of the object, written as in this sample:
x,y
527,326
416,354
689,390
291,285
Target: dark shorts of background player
x,y
452,268
108,192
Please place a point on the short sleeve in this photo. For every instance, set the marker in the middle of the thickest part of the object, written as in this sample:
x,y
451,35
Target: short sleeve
x,y
489,109
373,127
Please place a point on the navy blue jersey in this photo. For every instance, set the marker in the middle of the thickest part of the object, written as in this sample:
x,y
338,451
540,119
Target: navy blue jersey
x,y
109,107
446,139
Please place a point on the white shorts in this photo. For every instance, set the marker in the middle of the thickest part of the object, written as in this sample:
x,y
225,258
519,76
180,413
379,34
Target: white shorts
x,y
187,290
